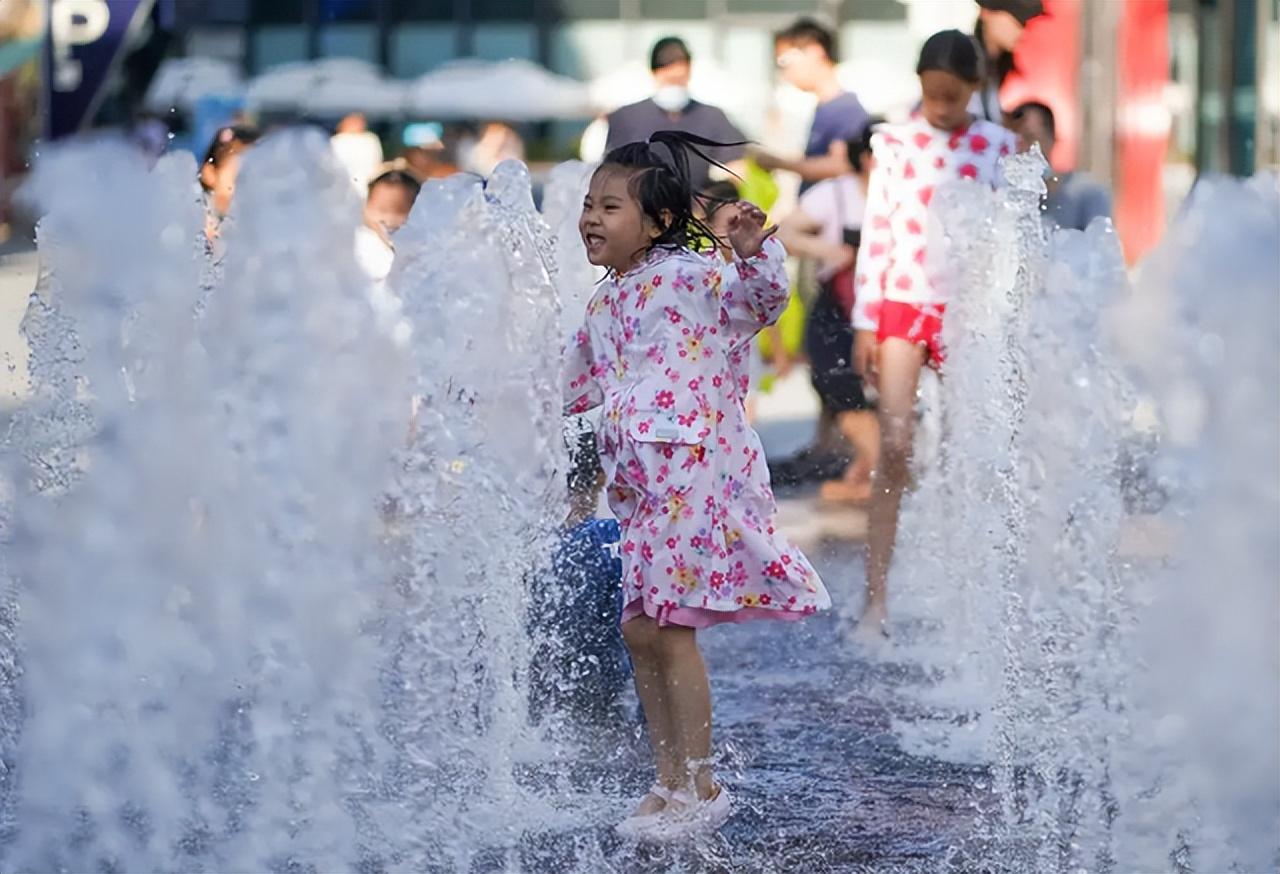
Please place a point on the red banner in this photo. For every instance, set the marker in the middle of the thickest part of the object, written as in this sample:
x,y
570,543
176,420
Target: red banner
x,y
1142,124
1049,61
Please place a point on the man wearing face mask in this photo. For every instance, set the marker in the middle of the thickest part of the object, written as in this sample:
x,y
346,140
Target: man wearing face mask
x,y
671,108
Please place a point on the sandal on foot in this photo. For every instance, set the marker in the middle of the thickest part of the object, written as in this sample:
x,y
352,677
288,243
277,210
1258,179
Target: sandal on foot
x,y
636,827
687,816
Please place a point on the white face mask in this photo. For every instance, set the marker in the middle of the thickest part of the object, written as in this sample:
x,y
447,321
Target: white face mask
x,y
671,98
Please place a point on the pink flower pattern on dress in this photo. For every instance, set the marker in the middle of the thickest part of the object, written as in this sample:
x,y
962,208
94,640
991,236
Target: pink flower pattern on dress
x,y
664,351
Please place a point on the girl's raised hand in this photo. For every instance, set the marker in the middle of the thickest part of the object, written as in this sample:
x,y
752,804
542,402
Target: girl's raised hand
x,y
746,229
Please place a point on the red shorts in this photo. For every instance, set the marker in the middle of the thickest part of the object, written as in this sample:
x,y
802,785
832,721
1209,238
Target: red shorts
x,y
918,324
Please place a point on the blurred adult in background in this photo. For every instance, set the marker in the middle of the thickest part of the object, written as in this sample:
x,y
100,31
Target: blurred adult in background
x,y
358,149
826,226
806,55
1074,199
429,162
594,142
998,30
497,142
671,108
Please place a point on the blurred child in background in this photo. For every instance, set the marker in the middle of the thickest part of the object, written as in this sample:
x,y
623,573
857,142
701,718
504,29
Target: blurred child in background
x,y
218,173
826,226
580,662
388,204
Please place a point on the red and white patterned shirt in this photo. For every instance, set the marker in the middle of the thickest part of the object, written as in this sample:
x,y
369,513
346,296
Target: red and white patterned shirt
x,y
902,257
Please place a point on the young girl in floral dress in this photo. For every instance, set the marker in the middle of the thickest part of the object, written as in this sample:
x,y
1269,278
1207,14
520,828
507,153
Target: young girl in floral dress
x,y
900,287
662,350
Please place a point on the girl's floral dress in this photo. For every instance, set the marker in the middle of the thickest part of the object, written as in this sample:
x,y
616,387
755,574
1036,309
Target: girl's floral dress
x,y
664,350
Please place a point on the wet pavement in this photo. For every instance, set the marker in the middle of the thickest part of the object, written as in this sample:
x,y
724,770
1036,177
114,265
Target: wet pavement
x,y
803,718
805,739
804,733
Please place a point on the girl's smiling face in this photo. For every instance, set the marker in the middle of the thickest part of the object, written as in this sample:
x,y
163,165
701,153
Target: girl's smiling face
x,y
614,228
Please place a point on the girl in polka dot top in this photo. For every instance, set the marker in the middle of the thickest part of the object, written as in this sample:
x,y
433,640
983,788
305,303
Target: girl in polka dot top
x,y
901,283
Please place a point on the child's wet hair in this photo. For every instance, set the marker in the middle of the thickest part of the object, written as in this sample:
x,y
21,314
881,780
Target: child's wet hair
x,y
226,142
950,51
659,180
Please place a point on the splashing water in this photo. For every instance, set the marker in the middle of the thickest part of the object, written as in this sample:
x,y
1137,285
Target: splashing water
x,y
1058,651
208,600
274,574
480,497
1199,766
195,678
562,205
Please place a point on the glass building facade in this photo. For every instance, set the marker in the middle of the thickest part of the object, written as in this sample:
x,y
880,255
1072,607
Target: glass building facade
x,y
580,38
1224,94
1238,94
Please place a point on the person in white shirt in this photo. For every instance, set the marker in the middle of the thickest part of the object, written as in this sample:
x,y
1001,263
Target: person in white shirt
x,y
827,227
358,149
498,142
390,199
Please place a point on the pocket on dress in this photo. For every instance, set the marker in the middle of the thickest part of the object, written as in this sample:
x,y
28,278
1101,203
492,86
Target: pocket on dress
x,y
664,426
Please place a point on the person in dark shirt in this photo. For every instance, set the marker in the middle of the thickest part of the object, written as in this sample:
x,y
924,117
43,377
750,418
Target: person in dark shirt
x,y
671,108
806,55
580,663
998,31
1074,199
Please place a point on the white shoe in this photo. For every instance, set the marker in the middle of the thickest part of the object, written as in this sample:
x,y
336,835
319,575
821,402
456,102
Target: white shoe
x,y
687,816
638,828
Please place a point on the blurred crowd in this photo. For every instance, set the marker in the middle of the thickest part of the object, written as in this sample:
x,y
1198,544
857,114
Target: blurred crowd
x,y
822,227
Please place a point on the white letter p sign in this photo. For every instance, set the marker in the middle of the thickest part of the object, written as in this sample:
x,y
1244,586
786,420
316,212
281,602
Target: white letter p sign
x,y
74,23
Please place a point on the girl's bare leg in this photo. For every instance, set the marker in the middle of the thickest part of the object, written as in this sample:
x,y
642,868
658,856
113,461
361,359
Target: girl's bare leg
x,y
862,429
688,698
641,636
898,374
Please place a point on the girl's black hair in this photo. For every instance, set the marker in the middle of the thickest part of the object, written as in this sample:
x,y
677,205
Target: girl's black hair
x,y
951,51
859,147
227,141
660,183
